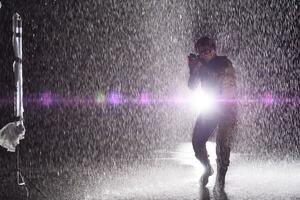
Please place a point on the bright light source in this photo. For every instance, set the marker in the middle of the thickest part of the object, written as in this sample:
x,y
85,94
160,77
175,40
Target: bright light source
x,y
203,101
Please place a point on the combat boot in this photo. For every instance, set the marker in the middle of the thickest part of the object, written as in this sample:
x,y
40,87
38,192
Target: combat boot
x,y
208,171
219,187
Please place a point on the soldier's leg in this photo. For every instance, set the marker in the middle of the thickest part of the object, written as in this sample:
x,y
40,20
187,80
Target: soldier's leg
x,y
202,131
223,140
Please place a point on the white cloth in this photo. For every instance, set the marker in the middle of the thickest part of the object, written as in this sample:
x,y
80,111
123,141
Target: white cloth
x,y
11,134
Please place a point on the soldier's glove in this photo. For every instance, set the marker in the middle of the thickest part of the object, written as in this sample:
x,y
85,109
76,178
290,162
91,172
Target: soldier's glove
x,y
193,62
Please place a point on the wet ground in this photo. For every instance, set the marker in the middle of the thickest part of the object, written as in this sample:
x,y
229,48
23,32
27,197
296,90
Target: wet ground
x,y
170,175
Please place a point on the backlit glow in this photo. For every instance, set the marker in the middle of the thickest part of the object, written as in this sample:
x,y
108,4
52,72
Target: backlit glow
x,y
202,101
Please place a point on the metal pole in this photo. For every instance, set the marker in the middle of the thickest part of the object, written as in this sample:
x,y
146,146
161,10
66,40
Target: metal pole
x,y
17,68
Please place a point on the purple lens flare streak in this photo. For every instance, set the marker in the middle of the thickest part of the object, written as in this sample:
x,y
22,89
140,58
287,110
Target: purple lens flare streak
x,y
144,99
6,100
115,98
268,99
48,99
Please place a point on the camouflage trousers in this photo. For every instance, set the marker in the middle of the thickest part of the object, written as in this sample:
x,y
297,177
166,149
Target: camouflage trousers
x,y
223,124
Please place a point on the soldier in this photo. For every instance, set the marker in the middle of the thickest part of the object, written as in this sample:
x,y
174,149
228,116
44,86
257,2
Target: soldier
x,y
216,74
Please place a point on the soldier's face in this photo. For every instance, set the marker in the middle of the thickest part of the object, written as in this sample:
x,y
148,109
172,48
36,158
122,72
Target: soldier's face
x,y
206,53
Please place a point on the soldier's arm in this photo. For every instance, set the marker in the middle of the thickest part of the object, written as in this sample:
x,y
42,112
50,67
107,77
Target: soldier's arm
x,y
194,78
229,91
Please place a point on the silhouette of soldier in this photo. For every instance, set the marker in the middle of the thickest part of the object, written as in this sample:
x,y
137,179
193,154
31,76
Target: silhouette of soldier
x,y
216,74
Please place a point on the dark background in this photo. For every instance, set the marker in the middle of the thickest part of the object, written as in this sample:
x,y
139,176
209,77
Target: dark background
x,y
76,48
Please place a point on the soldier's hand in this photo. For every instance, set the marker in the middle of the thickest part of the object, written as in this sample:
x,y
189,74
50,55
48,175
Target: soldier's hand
x,y
11,134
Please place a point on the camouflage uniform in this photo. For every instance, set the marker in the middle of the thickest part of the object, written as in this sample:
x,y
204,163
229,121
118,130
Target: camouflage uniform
x,y
217,75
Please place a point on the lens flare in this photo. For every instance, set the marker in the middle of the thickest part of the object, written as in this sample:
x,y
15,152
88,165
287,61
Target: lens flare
x,y
115,98
46,99
100,97
202,101
268,99
144,98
